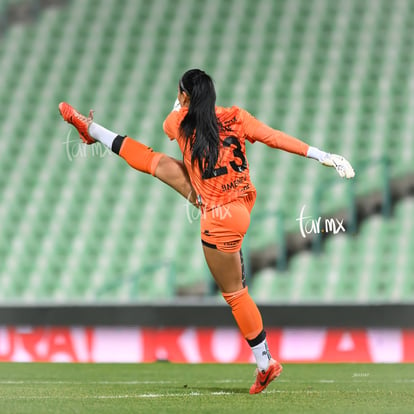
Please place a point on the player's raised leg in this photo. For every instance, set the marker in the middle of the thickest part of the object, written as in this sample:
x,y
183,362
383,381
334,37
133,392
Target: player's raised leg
x,y
167,169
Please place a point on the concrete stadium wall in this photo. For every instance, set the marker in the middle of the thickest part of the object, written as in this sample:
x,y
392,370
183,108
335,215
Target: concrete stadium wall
x,y
207,314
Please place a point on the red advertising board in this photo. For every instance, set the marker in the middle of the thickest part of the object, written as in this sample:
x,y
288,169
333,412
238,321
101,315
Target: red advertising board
x,y
135,344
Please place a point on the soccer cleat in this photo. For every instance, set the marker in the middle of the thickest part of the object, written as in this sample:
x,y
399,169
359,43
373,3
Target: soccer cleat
x,y
79,121
263,379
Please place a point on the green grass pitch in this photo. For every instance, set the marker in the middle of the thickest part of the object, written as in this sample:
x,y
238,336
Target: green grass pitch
x,y
204,388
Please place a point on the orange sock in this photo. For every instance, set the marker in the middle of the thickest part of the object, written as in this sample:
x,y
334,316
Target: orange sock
x,y
139,156
245,312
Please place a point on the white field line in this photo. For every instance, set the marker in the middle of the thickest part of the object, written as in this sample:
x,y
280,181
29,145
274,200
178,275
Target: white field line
x,y
113,397
224,381
47,382
138,396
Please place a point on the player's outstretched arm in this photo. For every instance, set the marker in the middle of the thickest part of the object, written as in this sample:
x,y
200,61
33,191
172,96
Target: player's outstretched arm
x,y
259,131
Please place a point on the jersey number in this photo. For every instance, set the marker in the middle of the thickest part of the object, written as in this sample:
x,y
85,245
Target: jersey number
x,y
237,153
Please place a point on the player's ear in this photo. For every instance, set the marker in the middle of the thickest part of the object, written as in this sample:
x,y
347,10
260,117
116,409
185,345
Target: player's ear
x,y
185,99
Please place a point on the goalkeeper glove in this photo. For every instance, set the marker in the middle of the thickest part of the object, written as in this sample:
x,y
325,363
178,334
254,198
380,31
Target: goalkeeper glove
x,y
342,165
177,105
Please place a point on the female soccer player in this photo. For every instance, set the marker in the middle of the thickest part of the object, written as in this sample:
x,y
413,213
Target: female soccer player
x,y
214,175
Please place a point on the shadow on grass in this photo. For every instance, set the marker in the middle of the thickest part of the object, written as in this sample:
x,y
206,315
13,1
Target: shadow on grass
x,y
216,390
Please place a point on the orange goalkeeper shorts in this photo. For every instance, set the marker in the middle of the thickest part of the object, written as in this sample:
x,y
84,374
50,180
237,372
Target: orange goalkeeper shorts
x,y
223,227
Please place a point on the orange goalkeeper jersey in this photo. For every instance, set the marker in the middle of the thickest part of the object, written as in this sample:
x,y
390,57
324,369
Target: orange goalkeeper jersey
x,y
231,178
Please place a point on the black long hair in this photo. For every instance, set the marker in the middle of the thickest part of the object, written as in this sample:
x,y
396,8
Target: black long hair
x,y
200,125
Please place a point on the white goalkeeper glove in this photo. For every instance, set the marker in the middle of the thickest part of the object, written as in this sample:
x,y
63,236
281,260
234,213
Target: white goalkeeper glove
x,y
342,165
177,105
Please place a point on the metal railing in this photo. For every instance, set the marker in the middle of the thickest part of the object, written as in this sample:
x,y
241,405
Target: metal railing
x,y
135,281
